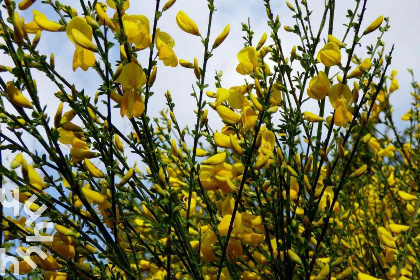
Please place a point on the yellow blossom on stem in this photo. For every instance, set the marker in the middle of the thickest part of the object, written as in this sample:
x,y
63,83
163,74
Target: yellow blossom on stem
x,y
329,55
186,23
319,86
340,97
125,4
374,25
132,78
247,61
249,118
137,30
16,97
80,150
80,33
222,36
228,115
164,45
45,24
361,69
311,117
363,276
333,39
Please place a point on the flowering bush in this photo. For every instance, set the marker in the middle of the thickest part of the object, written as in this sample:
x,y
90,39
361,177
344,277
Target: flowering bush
x,y
276,192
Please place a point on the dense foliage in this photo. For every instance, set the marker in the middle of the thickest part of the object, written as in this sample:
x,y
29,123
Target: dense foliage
x,y
276,192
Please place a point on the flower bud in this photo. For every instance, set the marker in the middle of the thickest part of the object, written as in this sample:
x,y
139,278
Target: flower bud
x,y
36,40
374,25
17,29
92,22
25,4
52,61
168,5
290,6
288,28
261,42
186,24
152,77
222,36
196,69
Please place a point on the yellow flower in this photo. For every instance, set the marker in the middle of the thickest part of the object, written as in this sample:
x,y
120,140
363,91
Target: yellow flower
x,y
168,57
342,116
319,86
228,115
249,118
186,24
93,196
209,238
324,272
276,94
222,36
32,27
268,140
103,17
168,5
16,97
374,144
22,267
374,25
137,30
222,95
340,97
250,220
80,150
83,58
54,275
216,159
388,151
45,24
25,4
333,39
222,140
125,4
359,172
80,33
66,250
237,98
35,179
247,61
132,77
294,257
363,276
394,86
164,45
406,196
311,117
164,39
329,55
234,249
132,104
339,93
326,199
395,228
361,69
